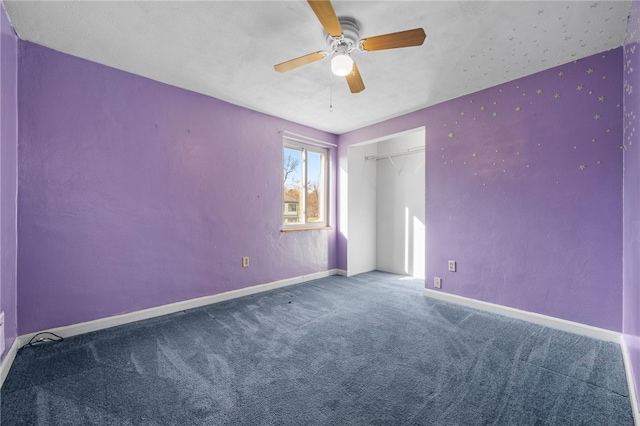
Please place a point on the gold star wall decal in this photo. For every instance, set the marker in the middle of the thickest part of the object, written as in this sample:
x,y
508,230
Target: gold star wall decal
x,y
500,106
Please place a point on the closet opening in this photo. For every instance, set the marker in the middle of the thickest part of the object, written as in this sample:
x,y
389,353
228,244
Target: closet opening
x,y
387,205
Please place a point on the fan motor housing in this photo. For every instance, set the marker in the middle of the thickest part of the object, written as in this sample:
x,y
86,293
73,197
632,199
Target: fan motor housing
x,y
350,34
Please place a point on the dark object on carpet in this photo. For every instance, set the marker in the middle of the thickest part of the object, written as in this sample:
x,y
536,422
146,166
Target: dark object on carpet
x,y
364,350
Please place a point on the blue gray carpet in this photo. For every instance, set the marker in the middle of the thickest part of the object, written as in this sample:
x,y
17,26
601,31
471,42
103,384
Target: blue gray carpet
x,y
365,350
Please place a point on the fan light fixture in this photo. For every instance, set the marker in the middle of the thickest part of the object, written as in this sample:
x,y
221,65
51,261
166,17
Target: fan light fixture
x,y
341,64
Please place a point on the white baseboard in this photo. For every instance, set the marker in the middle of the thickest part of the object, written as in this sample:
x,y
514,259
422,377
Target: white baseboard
x,y
102,323
552,322
633,392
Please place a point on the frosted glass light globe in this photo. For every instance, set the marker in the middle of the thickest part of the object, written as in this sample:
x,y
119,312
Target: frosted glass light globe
x,y
341,64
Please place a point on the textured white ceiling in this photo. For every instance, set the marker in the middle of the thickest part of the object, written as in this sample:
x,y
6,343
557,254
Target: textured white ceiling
x,y
227,49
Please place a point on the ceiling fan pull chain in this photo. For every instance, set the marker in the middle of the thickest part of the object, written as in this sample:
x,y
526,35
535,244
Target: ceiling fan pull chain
x,y
330,92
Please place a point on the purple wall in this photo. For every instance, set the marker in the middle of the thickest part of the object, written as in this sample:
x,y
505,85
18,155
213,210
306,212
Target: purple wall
x,y
631,221
135,194
8,179
524,191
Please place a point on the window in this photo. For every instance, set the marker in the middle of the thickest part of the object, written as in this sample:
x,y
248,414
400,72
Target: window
x,y
305,173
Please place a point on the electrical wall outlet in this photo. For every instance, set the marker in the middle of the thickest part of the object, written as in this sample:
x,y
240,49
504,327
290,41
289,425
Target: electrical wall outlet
x,y
452,266
245,261
437,282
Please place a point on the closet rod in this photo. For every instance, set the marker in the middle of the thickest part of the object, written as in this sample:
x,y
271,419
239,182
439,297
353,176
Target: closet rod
x,y
396,154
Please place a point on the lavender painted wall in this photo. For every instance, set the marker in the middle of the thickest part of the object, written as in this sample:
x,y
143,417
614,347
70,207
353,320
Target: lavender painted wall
x,y
631,218
8,179
523,190
135,194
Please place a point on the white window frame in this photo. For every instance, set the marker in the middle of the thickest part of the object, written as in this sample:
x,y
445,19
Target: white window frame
x,y
324,186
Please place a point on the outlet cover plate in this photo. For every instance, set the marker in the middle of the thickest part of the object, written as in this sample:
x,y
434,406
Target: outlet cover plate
x,y
437,282
452,266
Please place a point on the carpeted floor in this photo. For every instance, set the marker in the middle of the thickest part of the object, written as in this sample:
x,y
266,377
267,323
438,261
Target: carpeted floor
x,y
365,350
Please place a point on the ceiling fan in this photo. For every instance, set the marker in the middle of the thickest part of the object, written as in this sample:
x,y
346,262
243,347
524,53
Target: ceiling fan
x,y
343,38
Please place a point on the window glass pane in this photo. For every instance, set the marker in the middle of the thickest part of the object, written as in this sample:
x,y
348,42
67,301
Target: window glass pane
x,y
304,185
315,187
293,185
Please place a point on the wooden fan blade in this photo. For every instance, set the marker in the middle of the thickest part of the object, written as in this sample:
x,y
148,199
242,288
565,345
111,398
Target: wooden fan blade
x,y
354,80
298,62
406,38
327,16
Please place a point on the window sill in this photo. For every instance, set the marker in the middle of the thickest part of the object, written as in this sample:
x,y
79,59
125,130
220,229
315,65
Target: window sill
x,y
307,228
